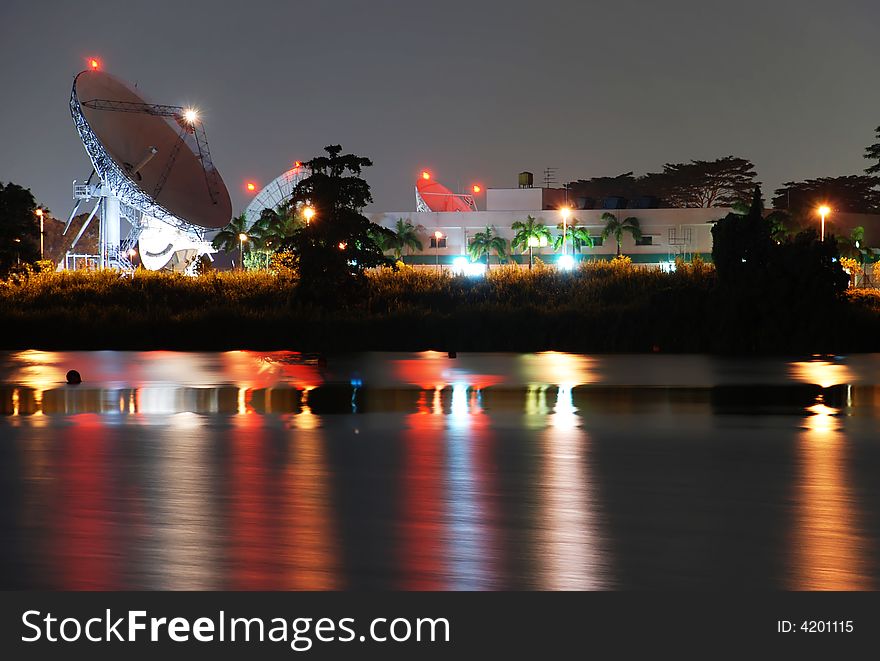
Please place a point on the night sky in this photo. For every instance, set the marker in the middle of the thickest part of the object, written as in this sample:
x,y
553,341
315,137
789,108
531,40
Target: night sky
x,y
473,90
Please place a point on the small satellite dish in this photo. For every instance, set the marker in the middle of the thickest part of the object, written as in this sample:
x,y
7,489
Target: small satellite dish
x,y
152,161
433,196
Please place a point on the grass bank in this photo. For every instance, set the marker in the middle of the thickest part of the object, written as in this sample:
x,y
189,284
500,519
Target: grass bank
x,y
601,307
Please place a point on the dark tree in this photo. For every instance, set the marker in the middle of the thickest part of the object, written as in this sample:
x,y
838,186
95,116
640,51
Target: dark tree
x,y
719,183
589,193
873,153
338,243
853,193
741,244
19,226
723,182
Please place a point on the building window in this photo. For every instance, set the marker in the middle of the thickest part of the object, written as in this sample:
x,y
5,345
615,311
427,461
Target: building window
x,y
434,242
645,241
597,241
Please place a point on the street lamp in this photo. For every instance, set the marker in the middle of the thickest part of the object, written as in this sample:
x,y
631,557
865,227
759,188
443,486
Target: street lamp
x,y
566,212
308,214
824,210
39,213
241,239
437,236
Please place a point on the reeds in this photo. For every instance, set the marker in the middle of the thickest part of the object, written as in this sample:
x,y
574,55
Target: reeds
x,y
600,307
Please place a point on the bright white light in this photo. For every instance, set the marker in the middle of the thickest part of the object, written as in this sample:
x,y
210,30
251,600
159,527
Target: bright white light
x,y
565,262
475,269
191,115
461,266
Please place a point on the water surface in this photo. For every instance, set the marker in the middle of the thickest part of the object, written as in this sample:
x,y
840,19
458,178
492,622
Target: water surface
x,y
244,470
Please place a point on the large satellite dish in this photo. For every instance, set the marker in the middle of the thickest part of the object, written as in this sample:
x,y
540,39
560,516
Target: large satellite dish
x,y
154,169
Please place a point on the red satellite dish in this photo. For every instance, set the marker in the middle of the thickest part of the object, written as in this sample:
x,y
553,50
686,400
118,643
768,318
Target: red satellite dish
x,y
162,164
439,198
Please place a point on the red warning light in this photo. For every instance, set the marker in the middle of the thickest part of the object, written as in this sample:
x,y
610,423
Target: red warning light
x,y
251,186
477,188
426,175
94,64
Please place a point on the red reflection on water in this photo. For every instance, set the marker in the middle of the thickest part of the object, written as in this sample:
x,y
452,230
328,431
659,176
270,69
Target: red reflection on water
x,y
253,529
84,537
422,550
433,370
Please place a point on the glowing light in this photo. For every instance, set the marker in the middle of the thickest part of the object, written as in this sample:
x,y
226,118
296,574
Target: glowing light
x,y
565,262
824,210
308,214
438,235
132,252
462,266
343,245
39,213
251,186
426,175
823,373
477,188
94,64
566,212
191,115
297,164
242,237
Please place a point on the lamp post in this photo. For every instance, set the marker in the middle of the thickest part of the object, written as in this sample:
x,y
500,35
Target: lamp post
x,y
437,236
241,239
824,210
566,211
39,213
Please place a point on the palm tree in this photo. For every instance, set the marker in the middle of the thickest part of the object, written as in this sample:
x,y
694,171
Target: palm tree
x,y
577,236
484,243
276,225
404,238
617,228
529,234
227,239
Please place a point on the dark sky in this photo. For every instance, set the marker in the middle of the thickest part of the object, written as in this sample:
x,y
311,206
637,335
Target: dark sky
x,y
474,90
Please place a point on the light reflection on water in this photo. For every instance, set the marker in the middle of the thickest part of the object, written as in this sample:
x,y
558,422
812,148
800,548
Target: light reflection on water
x,y
548,471
830,546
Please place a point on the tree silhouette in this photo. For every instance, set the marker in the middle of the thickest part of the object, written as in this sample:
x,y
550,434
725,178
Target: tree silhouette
x,y
718,183
741,244
529,234
617,228
852,193
19,226
227,239
873,153
487,242
339,242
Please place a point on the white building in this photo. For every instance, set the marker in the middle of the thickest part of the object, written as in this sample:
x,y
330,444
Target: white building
x,y
666,233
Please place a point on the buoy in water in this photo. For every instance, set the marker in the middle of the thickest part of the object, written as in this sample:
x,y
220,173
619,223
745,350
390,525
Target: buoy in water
x,y
73,377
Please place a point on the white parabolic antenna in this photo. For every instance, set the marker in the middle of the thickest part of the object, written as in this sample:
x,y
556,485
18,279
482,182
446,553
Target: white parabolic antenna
x,y
154,170
275,194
